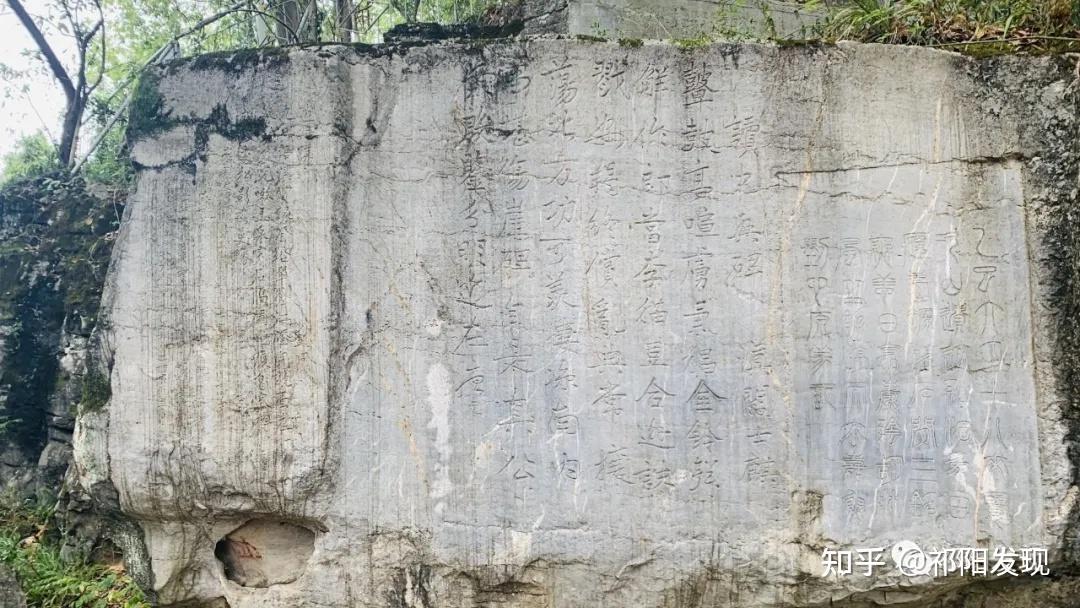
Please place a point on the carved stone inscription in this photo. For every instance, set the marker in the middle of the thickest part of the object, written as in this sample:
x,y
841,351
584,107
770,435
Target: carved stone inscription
x,y
912,354
562,323
601,286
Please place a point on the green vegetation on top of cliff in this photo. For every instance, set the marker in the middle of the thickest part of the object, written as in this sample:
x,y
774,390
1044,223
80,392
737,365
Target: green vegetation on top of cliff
x,y
31,547
148,115
236,60
690,44
973,27
976,27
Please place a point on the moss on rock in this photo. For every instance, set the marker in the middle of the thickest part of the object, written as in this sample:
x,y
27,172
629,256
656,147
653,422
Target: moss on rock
x,y
96,390
55,243
147,115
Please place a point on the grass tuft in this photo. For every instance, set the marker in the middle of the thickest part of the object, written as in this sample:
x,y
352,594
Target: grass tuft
x,y
972,26
30,547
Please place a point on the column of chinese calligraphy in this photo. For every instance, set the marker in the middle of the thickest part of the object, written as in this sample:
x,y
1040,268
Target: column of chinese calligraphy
x,y
900,350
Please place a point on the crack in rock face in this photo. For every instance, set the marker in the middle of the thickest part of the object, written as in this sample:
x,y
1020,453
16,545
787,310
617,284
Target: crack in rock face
x,y
265,552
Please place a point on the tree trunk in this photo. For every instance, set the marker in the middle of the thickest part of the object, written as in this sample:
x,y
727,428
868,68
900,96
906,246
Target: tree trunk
x,y
75,101
310,21
298,21
72,117
408,9
288,18
345,20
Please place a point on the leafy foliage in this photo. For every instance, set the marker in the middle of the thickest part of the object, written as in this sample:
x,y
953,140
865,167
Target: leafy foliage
x,y
1002,25
742,20
96,390
34,155
29,546
109,165
140,27
459,11
6,423
689,44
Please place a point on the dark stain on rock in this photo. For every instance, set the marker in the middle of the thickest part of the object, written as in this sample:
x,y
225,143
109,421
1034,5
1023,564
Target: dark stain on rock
x,y
55,243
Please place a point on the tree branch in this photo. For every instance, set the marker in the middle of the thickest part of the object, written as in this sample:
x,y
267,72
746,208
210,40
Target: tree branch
x,y
375,21
101,68
288,30
310,11
85,40
51,59
211,19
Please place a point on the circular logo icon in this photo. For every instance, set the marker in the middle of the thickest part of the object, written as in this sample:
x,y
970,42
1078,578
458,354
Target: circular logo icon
x,y
910,559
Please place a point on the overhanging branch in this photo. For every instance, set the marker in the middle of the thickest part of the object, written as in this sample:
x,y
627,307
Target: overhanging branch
x,y
51,59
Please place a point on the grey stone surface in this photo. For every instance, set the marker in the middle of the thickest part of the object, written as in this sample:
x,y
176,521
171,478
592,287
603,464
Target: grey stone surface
x,y
678,19
557,323
666,20
11,596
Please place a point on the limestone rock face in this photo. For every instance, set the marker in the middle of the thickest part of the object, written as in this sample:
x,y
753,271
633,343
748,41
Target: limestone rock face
x,y
557,323
10,594
665,19
675,19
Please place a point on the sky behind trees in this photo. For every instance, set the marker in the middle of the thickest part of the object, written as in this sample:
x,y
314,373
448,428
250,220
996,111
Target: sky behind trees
x,y
30,102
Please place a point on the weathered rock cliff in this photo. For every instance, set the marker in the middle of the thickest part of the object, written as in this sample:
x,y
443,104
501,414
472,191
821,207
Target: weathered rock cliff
x,y
557,323
55,240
